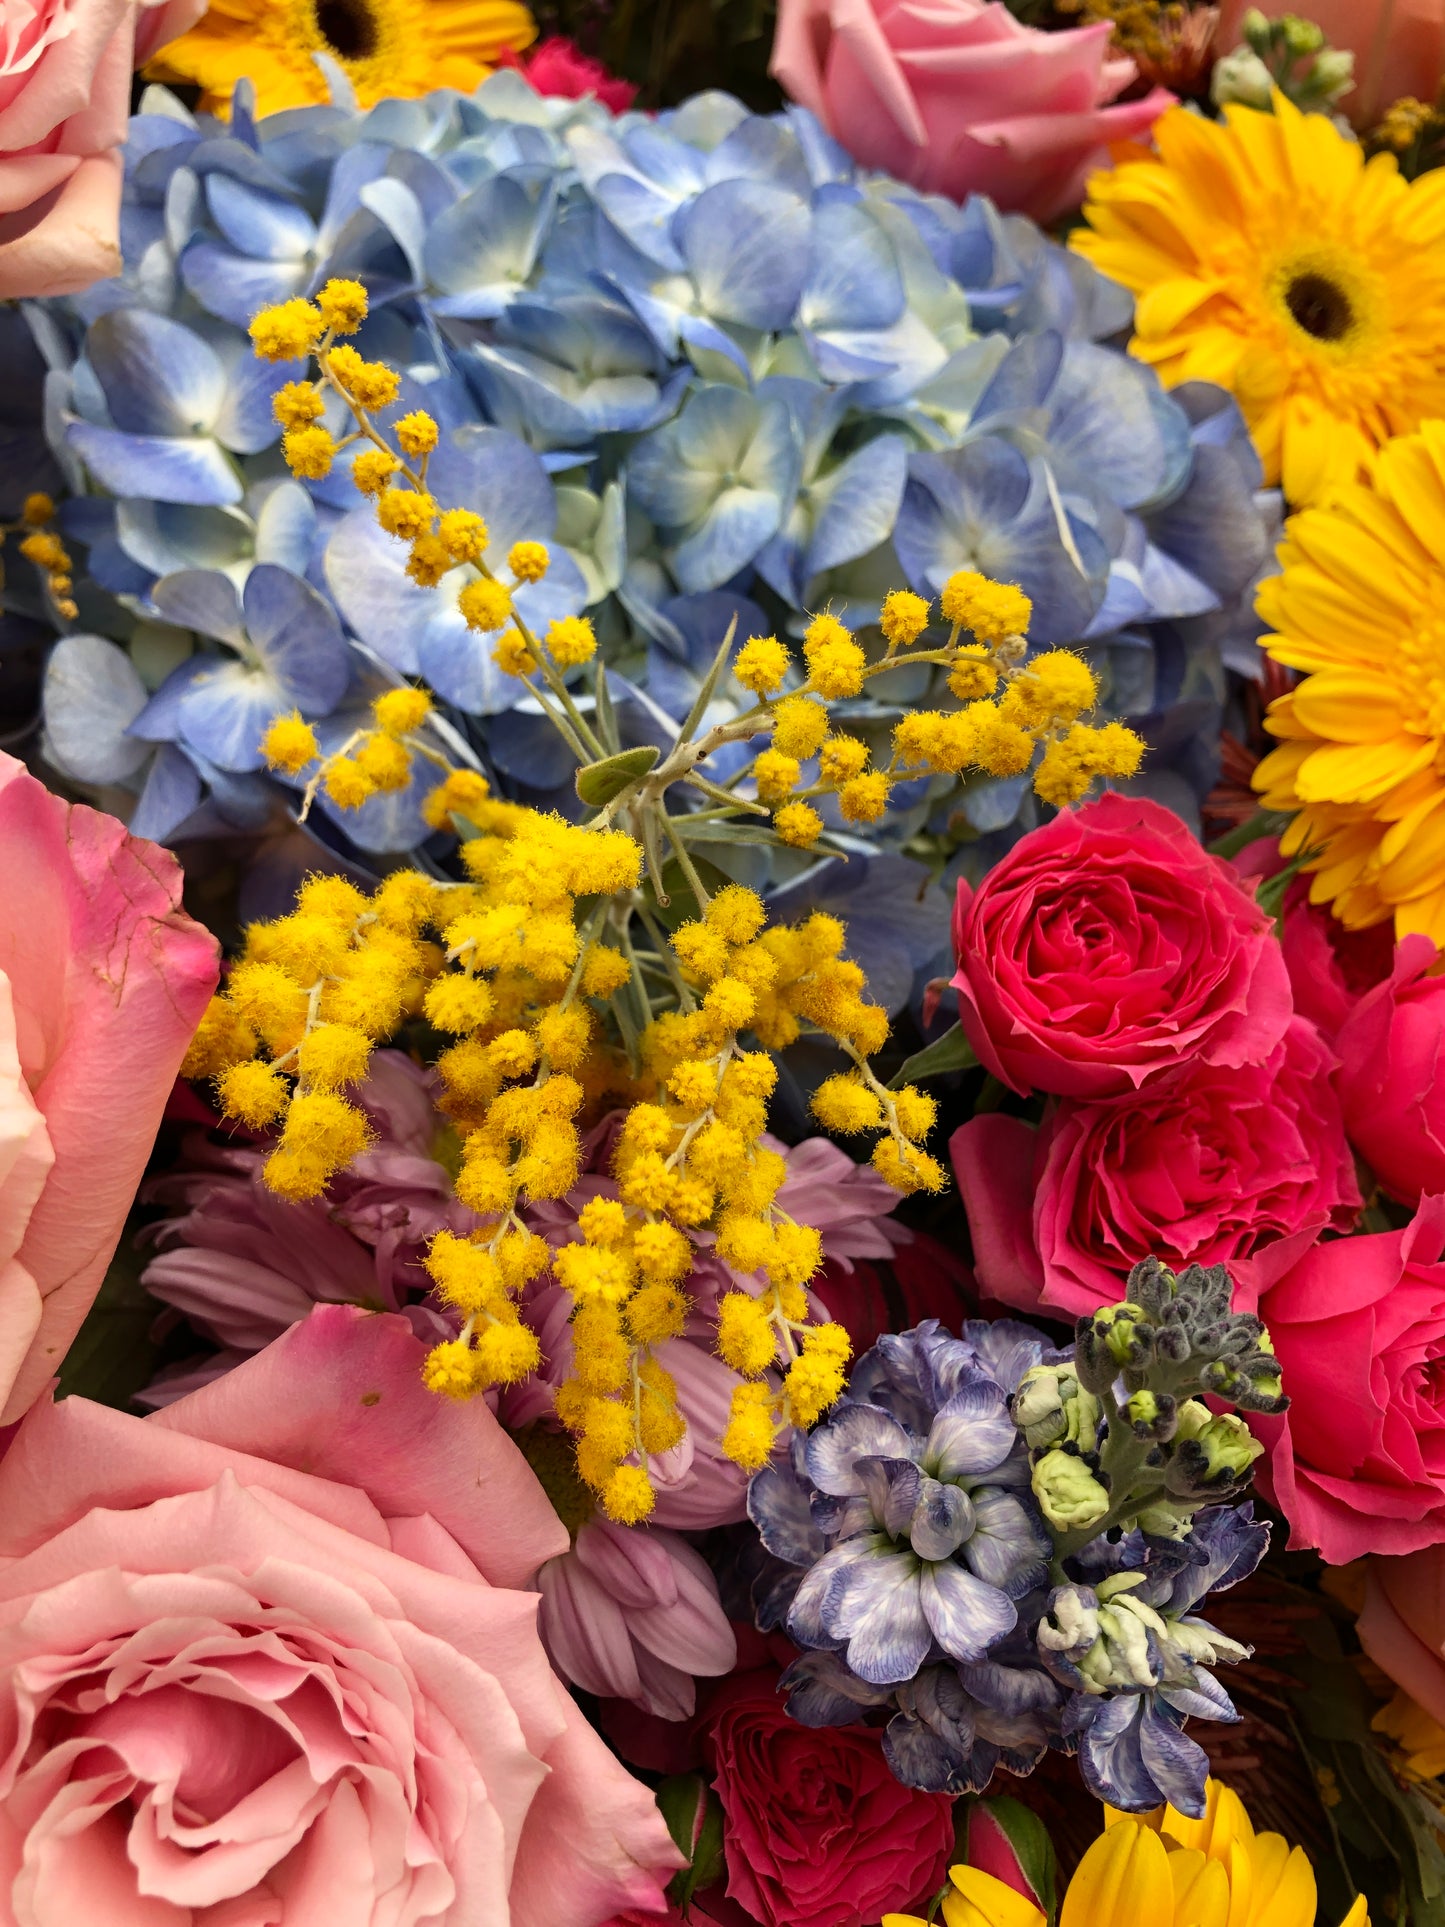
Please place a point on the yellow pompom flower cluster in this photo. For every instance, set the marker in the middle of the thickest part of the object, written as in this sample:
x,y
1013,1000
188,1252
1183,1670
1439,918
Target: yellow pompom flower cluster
x,y
42,546
293,1029
1009,707
371,762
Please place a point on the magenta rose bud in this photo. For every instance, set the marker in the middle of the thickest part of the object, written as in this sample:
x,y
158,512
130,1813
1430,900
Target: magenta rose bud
x,y
1108,948
959,98
815,1826
1357,1464
1206,1167
1392,1075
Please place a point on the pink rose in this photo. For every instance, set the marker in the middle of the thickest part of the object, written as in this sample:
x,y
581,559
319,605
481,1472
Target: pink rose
x,y
957,97
1208,1167
103,979
65,68
1392,1074
266,1659
816,1830
1108,948
1399,46
1402,1627
1357,1463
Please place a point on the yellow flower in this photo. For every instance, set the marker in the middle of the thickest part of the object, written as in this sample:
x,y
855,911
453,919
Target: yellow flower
x,y
1161,1870
387,48
1362,751
1269,256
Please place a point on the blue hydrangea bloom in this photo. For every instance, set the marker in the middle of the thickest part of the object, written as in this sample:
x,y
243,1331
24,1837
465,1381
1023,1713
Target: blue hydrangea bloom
x,y
703,357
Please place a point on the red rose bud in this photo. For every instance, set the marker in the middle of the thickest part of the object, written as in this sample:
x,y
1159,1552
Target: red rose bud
x,y
1006,1840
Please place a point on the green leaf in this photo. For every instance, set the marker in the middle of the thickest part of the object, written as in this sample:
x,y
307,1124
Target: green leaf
x,y
951,1052
113,1354
694,1818
598,783
605,715
709,684
1262,823
1029,1838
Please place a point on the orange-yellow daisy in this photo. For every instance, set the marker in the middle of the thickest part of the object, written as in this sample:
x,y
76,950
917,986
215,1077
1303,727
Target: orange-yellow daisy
x,y
1160,1871
1360,607
1269,256
387,48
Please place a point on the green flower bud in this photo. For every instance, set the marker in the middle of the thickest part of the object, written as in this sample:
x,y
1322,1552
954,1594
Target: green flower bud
x,y
1256,30
1243,77
1169,1519
1301,37
1050,1406
1210,1452
1120,1328
1333,73
1069,1495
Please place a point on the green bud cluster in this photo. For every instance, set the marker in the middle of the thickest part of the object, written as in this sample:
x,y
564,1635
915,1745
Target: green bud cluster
x,y
1120,1434
1290,54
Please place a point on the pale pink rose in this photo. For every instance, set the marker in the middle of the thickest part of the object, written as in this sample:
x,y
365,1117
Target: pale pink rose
x,y
103,979
957,97
632,1612
267,1660
1399,45
65,68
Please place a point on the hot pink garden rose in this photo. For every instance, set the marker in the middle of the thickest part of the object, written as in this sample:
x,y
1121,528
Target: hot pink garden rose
x,y
816,1830
1208,1166
268,1659
103,979
1357,1463
65,68
1392,1074
958,97
1108,948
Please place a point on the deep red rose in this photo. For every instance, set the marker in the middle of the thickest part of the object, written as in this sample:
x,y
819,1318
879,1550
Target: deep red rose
x,y
1357,1464
1108,948
558,66
923,1279
1392,1075
1208,1166
816,1830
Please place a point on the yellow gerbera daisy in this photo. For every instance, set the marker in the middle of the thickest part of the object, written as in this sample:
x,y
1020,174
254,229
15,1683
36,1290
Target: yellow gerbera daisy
x,y
388,48
1161,1871
1362,751
1269,256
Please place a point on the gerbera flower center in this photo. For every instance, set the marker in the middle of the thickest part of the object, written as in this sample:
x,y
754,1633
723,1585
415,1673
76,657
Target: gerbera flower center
x,y
1320,307
348,27
1422,661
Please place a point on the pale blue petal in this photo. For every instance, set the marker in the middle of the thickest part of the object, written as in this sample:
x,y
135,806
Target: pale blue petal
x,y
891,1489
297,636
822,1692
160,720
203,600
92,695
165,536
1177,1765
856,505
263,227
1110,1760
286,528
807,1614
366,574
166,469
1023,380
159,378
172,792
853,279
854,1432
971,1434
226,712
459,664
739,522
746,247
246,422
778,1507
228,285
485,245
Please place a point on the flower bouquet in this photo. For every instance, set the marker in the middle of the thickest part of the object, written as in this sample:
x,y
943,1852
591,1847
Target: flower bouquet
x,y
722,1175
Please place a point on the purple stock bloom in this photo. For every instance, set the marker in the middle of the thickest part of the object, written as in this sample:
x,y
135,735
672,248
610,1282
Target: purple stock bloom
x,y
906,1523
1134,1655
